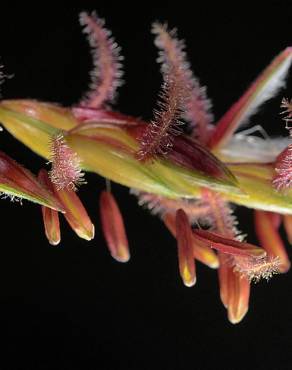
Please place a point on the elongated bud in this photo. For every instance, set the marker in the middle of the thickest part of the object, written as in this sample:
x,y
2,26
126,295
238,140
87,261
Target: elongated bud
x,y
270,239
200,252
50,216
76,214
113,227
185,252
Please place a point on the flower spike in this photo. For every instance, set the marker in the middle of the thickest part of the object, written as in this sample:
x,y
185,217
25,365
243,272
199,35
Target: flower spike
x,y
50,216
186,260
113,227
175,175
66,166
106,76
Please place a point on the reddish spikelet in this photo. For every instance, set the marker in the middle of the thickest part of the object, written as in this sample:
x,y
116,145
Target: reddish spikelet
x,y
158,136
185,253
66,172
159,205
197,110
107,73
113,227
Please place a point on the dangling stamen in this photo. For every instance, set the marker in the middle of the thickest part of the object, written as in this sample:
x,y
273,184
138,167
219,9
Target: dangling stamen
x,y
185,252
113,227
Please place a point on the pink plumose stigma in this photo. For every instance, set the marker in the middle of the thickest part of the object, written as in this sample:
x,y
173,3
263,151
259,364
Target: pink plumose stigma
x,y
107,72
283,178
197,109
283,167
256,269
175,92
65,172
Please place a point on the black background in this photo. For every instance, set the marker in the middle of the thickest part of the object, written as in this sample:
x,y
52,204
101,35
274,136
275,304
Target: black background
x,y
73,306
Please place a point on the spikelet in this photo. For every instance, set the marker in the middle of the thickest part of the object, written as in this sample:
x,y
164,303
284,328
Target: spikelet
x,y
107,72
65,172
159,134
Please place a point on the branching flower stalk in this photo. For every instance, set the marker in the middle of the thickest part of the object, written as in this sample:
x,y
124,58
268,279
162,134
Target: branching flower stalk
x,y
182,166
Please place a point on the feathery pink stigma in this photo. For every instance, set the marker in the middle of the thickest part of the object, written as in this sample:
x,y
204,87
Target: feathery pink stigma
x,y
287,105
107,73
197,110
160,205
255,269
66,172
221,216
283,166
283,178
158,136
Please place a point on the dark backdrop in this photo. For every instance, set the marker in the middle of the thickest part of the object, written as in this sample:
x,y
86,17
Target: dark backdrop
x,y
73,306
